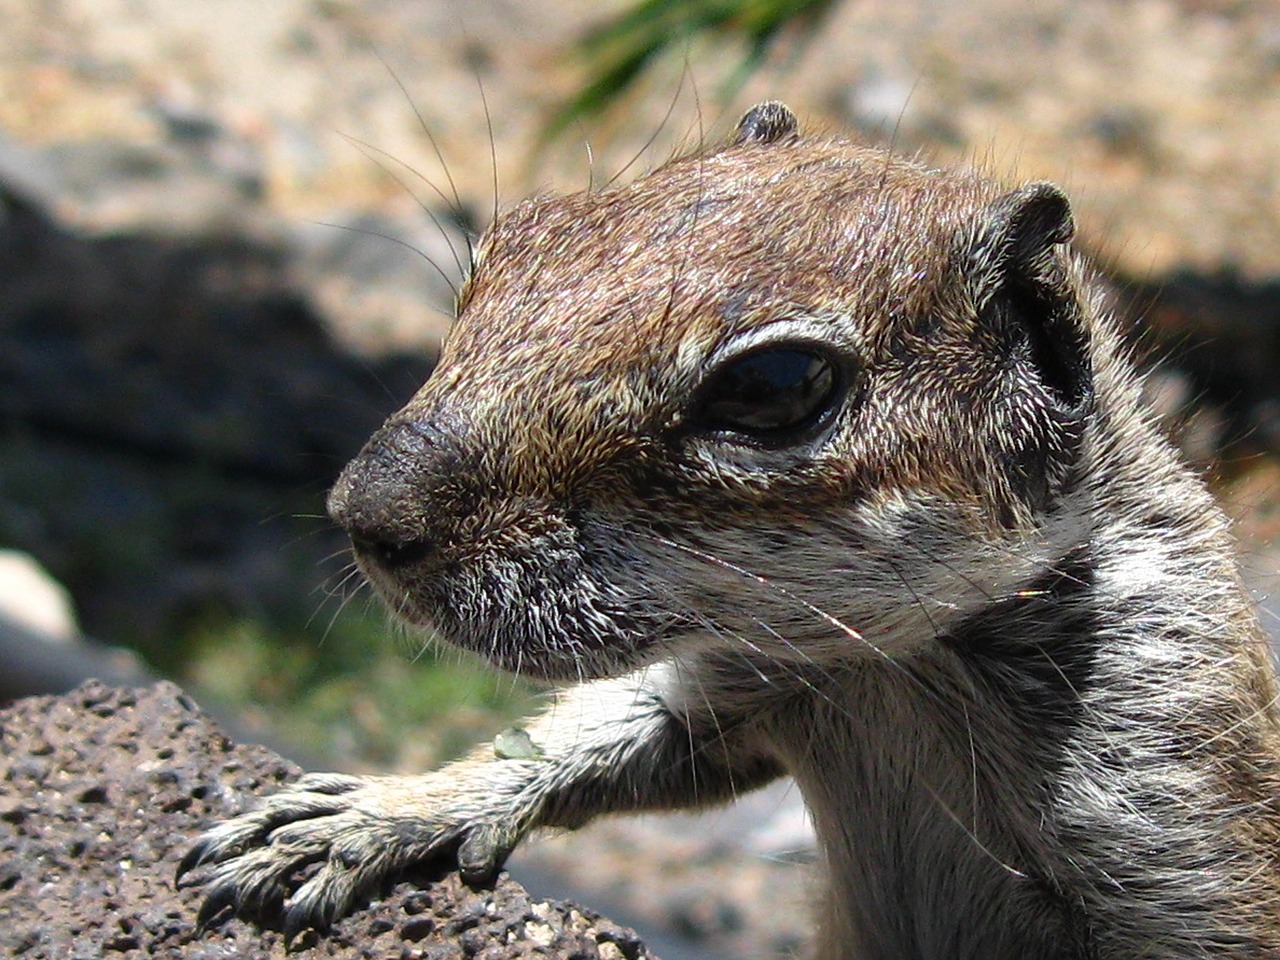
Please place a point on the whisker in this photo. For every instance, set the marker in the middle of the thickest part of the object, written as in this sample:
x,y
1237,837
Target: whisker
x,y
493,146
369,151
1248,718
782,591
591,164
426,130
973,837
399,242
824,696
653,137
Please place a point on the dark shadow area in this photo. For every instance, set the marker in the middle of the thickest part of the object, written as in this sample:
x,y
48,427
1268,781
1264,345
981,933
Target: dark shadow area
x,y
172,411
1223,333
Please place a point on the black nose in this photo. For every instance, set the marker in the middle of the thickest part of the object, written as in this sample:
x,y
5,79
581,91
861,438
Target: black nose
x,y
382,496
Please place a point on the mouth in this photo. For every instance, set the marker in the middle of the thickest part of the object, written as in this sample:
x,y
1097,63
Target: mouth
x,y
537,619
391,556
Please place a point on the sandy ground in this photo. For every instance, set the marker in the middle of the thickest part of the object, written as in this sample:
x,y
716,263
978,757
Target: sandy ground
x,y
1162,118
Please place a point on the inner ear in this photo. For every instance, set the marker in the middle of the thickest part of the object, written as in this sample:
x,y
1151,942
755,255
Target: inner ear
x,y
1025,275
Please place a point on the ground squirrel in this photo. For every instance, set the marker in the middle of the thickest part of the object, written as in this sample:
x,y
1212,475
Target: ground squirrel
x,y
807,459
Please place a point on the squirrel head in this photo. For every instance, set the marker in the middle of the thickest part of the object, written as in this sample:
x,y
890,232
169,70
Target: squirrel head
x,y
767,395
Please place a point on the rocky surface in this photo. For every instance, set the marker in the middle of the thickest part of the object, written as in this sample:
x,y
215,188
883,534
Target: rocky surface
x,y
102,791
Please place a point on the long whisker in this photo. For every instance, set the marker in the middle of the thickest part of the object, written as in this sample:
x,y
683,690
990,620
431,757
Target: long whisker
x,y
653,137
822,695
399,242
426,130
373,153
779,589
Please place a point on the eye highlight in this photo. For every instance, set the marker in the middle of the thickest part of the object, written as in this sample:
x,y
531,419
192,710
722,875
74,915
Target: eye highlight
x,y
770,394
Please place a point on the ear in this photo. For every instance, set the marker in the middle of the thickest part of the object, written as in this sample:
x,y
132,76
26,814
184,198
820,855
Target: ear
x,y
768,122
1025,277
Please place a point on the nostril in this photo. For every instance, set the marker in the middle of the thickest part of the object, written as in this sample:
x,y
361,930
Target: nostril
x,y
391,555
379,498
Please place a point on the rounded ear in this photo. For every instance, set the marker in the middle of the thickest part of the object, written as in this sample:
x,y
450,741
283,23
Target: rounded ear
x,y
1026,281
768,122
1033,218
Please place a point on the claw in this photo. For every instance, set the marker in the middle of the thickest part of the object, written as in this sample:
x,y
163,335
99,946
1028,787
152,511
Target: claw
x,y
231,839
484,851
215,846
297,918
294,923
193,858
216,901
332,891
303,915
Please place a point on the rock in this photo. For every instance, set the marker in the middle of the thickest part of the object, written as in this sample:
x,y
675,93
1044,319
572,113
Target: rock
x,y
175,404
103,790
734,881
33,599
1222,331
34,664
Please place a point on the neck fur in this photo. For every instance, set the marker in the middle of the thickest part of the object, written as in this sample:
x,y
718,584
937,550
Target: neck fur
x,y
1068,773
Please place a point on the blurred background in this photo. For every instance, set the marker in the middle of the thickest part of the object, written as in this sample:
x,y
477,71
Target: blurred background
x,y
229,236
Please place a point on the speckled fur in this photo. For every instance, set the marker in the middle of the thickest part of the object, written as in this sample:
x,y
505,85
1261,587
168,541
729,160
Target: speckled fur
x,y
986,619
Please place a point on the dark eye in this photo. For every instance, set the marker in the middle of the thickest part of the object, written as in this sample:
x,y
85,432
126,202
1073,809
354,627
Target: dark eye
x,y
769,394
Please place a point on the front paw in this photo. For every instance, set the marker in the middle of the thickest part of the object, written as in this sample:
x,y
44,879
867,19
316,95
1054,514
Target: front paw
x,y
359,831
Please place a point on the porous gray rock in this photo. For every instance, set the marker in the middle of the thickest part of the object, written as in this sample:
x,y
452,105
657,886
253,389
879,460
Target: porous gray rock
x,y
103,789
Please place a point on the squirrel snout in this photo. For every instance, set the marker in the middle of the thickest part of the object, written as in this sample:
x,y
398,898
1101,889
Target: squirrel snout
x,y
380,497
